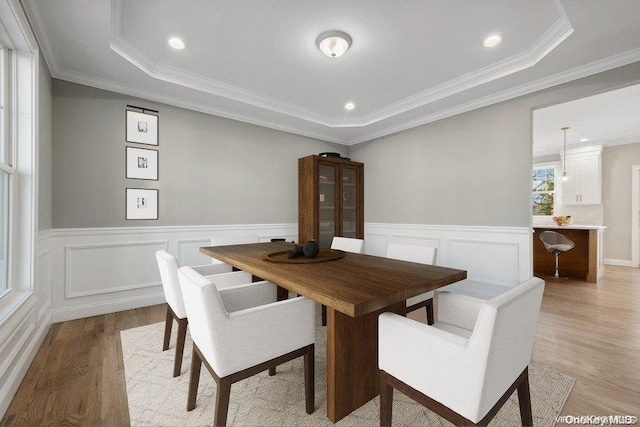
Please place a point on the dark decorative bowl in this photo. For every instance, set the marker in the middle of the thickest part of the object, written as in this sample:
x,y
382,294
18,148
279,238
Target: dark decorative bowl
x,y
329,154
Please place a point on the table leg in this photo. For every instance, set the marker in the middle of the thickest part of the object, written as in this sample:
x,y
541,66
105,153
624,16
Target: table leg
x,y
352,360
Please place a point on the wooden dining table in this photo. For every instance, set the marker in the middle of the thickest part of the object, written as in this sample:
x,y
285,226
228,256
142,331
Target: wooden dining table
x,y
355,289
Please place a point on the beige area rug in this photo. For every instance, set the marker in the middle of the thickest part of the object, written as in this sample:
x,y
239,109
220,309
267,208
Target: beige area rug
x,y
158,399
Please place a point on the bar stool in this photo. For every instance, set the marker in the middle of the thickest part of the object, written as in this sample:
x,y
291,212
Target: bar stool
x,y
556,243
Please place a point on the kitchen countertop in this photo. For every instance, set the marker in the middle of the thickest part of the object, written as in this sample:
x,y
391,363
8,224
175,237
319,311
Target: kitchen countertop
x,y
571,226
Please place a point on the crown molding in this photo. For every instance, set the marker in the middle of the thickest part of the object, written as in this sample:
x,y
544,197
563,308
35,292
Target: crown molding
x,y
130,52
596,67
558,32
117,87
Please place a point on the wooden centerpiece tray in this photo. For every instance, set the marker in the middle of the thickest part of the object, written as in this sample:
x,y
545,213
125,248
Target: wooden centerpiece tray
x,y
323,256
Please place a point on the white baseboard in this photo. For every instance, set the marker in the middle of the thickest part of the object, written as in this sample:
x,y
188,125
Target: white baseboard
x,y
619,262
105,307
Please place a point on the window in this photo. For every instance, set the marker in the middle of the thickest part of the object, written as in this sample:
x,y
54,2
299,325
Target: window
x,y
543,199
6,172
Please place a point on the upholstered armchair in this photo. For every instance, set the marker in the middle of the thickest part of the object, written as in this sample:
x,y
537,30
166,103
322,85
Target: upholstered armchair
x,y
240,331
469,362
418,254
168,266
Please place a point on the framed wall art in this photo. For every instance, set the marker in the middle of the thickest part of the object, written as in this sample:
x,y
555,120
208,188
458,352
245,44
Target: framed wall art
x,y
142,128
141,203
141,163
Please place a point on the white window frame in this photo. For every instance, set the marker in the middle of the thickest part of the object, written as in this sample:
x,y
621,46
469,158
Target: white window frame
x,y
542,219
22,121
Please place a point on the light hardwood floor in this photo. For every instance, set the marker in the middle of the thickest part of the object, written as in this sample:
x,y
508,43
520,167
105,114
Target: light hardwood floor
x,y
590,331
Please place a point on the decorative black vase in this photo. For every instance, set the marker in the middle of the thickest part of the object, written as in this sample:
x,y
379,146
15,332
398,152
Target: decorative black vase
x,y
311,249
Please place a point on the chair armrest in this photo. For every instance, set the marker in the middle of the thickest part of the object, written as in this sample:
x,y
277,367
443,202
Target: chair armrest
x,y
255,335
225,280
209,269
442,365
247,295
457,309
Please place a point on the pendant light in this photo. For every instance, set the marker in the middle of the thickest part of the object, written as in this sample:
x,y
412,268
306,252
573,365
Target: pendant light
x,y
564,177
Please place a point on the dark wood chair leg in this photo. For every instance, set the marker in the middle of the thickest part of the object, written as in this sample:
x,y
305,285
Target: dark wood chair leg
x,y
324,315
309,379
386,400
167,329
524,398
194,379
182,334
272,371
223,394
429,308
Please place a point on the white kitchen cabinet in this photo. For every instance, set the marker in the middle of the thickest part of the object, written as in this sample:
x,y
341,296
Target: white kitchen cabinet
x,y
584,186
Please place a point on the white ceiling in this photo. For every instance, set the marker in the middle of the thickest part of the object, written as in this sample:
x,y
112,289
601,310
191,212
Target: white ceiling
x,y
610,118
411,62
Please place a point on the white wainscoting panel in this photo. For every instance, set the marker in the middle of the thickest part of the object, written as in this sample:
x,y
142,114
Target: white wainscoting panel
x,y
499,255
111,267
104,270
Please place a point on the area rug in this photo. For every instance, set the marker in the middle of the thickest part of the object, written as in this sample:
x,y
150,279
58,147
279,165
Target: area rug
x,y
158,399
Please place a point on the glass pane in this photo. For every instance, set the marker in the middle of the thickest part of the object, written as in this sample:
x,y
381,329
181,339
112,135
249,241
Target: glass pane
x,y
4,230
349,204
327,204
543,203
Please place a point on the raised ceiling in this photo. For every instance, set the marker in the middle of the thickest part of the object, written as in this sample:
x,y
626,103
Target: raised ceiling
x,y
411,62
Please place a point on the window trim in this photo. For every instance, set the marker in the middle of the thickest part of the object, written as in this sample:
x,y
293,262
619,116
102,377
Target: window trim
x,y
22,93
557,191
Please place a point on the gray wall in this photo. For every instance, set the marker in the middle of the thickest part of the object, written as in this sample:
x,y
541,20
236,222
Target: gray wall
x,y
212,170
45,186
470,169
616,198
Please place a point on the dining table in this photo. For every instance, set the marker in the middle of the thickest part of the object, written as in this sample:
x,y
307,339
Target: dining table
x,y
356,289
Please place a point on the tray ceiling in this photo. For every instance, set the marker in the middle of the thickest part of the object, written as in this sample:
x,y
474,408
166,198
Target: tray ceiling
x,y
411,62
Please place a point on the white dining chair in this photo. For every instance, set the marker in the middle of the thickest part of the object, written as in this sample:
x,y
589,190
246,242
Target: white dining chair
x,y
168,266
467,364
346,244
419,254
241,331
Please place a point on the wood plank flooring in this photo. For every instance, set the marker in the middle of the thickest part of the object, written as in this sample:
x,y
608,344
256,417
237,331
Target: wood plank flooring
x,y
590,331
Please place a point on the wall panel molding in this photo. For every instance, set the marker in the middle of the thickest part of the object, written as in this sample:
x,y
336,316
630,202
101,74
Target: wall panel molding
x,y
104,270
499,255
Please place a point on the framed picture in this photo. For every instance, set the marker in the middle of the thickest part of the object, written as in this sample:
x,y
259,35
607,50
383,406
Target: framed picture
x,y
141,203
141,163
142,128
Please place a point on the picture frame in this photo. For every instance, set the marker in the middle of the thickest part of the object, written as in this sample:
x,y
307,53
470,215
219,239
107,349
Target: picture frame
x,y
141,203
141,163
142,128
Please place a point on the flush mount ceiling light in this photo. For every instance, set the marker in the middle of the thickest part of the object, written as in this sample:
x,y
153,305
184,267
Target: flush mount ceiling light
x,y
333,43
492,40
176,43
349,106
584,139
565,176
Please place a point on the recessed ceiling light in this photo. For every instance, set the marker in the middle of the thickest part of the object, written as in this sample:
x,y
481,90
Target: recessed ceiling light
x,y
176,43
492,41
349,106
584,139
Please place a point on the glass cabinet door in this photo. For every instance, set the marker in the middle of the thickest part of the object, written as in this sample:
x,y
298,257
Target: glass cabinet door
x,y
327,189
349,201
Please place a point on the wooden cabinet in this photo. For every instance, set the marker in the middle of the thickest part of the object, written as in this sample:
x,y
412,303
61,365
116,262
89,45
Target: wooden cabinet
x,y
330,199
584,184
